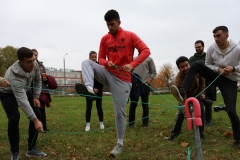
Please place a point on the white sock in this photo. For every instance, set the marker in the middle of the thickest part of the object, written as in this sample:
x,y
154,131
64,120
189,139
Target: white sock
x,y
101,123
88,124
90,88
120,141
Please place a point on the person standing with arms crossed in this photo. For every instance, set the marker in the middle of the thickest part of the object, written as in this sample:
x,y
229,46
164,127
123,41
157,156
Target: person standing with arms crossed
x,y
115,57
97,88
147,72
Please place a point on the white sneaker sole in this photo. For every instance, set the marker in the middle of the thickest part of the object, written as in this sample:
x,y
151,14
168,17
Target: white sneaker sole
x,y
176,94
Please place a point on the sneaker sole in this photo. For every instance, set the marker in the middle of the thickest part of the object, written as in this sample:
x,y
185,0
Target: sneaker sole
x,y
32,156
82,91
176,94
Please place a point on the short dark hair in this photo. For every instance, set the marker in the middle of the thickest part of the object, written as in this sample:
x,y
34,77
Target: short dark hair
x,y
34,50
24,52
92,52
200,41
180,60
223,28
111,15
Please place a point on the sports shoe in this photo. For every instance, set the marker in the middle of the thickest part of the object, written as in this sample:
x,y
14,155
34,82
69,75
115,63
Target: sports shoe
x,y
117,150
87,128
15,156
171,138
85,92
208,123
178,94
236,144
101,126
202,135
35,153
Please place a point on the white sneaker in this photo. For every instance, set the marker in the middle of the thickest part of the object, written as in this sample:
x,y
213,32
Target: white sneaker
x,y
117,150
101,126
87,128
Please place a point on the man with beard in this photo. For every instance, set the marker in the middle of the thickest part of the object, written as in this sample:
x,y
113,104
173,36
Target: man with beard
x,y
210,92
195,87
222,58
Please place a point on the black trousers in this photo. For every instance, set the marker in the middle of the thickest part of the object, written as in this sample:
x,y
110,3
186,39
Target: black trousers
x,y
10,106
98,106
180,117
133,106
210,93
43,118
227,87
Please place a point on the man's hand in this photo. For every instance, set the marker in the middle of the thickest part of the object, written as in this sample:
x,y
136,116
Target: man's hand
x,y
36,102
228,70
225,71
111,65
202,96
4,82
38,125
95,90
44,79
127,68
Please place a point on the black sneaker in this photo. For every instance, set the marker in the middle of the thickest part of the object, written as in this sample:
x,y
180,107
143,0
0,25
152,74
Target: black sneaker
x,y
202,135
171,138
83,91
131,125
236,144
15,156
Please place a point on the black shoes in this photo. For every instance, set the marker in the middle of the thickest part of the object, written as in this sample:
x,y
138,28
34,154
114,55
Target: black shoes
x,y
171,138
201,135
236,144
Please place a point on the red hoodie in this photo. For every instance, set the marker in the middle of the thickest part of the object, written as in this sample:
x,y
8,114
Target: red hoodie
x,y
120,51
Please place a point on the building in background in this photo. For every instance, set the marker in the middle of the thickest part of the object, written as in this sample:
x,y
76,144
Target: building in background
x,y
72,77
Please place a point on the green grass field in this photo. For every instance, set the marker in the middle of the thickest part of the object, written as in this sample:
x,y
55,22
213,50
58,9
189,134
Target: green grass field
x,y
68,140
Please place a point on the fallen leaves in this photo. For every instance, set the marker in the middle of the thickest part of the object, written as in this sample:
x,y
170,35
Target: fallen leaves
x,y
184,144
228,134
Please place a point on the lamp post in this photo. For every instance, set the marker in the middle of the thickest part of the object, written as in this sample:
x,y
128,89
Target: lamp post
x,y
64,72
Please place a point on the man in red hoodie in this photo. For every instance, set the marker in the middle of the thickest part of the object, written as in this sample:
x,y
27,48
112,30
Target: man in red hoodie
x,y
114,69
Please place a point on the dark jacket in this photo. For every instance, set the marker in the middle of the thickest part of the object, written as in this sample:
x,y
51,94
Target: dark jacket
x,y
137,87
197,58
197,85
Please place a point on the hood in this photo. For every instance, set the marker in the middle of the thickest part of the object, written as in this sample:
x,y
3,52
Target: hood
x,y
17,69
232,45
197,55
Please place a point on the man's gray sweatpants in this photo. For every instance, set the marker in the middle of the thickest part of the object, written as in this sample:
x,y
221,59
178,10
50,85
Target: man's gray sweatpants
x,y
120,90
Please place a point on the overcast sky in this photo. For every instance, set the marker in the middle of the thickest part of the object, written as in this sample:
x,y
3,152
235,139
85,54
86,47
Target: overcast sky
x,y
168,27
